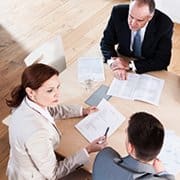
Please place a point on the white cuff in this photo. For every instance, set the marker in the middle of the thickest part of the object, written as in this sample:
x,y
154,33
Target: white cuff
x,y
110,61
133,66
81,111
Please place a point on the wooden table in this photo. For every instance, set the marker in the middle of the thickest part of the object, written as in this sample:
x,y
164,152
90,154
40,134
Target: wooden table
x,y
72,92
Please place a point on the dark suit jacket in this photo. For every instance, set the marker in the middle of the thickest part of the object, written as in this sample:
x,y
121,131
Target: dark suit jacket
x,y
109,165
156,46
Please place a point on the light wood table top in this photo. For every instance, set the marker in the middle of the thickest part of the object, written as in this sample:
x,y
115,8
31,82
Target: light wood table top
x,y
72,92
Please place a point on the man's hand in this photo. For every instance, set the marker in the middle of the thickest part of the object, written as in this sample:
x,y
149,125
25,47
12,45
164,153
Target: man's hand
x,y
120,74
120,67
158,166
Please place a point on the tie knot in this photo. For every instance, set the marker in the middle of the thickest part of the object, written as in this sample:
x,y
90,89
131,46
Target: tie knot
x,y
138,35
138,31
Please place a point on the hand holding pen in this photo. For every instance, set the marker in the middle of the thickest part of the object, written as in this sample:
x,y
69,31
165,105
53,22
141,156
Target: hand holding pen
x,y
98,144
105,134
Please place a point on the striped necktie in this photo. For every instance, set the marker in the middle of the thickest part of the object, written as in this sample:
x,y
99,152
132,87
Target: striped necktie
x,y
137,44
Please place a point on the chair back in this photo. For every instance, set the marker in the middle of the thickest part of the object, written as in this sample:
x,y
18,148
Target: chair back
x,y
6,120
50,53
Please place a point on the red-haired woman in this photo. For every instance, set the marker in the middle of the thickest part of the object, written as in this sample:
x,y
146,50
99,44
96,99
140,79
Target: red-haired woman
x,y
33,135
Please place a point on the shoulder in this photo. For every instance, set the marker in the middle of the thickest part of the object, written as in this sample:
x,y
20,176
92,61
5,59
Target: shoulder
x,y
162,20
25,121
107,155
165,176
121,11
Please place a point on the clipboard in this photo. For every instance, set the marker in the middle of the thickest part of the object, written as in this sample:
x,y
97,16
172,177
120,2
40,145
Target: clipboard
x,y
100,93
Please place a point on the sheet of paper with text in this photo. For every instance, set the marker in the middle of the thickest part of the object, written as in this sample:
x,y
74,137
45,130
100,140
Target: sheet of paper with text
x,y
90,68
95,124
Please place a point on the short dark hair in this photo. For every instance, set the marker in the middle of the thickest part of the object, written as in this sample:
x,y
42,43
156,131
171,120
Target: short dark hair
x,y
146,134
150,3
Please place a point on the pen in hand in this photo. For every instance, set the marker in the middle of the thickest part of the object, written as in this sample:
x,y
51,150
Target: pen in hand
x,y
105,134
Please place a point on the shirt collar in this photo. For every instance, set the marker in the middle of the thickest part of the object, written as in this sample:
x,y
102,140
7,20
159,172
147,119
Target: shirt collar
x,y
142,33
39,109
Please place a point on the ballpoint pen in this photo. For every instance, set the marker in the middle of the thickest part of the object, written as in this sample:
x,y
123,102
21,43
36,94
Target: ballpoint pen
x,y
105,134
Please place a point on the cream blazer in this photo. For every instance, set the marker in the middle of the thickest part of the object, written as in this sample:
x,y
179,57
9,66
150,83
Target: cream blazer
x,y
33,140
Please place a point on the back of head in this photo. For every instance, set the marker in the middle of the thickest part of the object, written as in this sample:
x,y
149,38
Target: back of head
x,y
150,3
33,77
146,134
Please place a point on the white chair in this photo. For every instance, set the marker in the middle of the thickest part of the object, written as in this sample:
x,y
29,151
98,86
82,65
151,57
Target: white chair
x,y
6,120
171,8
50,53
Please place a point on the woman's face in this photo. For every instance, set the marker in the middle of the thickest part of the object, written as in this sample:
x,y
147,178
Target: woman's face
x,y
48,93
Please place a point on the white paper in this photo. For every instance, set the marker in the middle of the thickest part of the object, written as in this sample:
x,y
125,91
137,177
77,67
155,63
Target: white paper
x,y
138,87
95,124
170,152
90,68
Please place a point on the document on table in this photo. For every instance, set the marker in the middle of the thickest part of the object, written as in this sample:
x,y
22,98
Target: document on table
x,y
170,152
95,124
90,68
138,87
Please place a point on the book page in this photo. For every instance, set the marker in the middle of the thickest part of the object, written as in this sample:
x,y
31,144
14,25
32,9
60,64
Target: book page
x,y
148,89
124,88
170,152
90,68
95,124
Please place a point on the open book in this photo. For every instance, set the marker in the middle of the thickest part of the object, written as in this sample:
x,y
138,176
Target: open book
x,y
138,87
95,124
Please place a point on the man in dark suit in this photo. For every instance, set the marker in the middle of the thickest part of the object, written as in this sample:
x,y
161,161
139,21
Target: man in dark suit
x,y
155,33
144,139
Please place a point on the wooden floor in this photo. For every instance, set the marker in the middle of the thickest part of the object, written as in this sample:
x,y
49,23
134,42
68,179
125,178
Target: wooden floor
x,y
25,25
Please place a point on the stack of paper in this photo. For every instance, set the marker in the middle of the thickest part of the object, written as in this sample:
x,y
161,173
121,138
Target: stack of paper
x,y
90,68
95,124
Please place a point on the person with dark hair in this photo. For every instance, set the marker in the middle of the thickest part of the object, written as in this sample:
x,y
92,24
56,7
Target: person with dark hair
x,y
142,35
33,135
144,140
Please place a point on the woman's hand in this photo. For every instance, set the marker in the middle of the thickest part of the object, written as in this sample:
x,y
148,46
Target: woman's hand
x,y
97,144
89,110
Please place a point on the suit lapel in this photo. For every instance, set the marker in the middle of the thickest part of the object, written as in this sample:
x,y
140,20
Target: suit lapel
x,y
125,38
149,36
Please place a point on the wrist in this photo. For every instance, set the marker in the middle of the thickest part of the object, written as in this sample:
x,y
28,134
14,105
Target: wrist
x,y
110,62
88,149
84,112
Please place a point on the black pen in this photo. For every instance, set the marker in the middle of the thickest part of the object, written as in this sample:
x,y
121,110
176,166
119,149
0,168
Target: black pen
x,y
105,134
